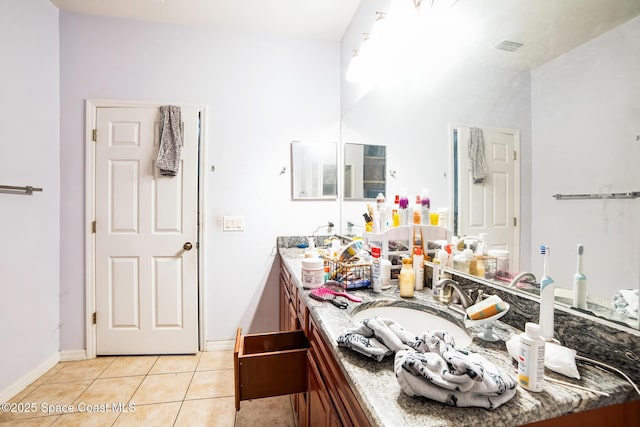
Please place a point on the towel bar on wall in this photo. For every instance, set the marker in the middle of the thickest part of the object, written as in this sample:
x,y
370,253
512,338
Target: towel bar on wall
x,y
629,195
13,189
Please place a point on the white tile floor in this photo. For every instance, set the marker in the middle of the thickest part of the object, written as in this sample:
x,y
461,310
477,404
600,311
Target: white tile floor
x,y
194,390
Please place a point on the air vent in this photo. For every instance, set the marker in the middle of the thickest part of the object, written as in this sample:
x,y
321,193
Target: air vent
x,y
509,45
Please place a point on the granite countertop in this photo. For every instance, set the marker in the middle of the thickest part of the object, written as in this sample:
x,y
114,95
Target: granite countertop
x,y
382,400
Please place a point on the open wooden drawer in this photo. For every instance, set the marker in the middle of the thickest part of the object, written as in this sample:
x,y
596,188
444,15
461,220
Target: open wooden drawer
x,y
270,364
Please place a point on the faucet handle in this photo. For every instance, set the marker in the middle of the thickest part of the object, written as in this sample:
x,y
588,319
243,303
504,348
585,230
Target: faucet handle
x,y
479,297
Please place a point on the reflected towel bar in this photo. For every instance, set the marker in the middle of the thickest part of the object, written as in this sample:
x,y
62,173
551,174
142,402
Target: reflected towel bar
x,y
12,188
629,195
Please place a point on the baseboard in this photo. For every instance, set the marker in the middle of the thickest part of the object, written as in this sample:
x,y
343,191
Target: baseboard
x,y
70,355
29,378
219,345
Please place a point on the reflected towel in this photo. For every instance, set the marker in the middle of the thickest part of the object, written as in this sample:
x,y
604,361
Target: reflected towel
x,y
171,139
625,302
477,156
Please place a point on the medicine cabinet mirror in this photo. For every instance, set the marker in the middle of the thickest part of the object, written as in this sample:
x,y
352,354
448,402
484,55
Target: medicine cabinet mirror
x,y
314,170
564,76
364,171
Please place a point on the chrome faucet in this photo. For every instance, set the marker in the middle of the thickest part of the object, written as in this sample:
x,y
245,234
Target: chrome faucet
x,y
519,277
463,298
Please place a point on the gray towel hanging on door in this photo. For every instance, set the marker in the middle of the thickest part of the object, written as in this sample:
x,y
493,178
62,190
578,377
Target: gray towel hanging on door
x,y
477,156
171,138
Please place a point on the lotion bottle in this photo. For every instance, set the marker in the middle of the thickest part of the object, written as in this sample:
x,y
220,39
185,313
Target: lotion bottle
x,y
375,269
531,358
418,268
425,205
407,278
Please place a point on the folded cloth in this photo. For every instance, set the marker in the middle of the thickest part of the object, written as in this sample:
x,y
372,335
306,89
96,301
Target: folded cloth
x,y
171,139
625,302
454,378
476,156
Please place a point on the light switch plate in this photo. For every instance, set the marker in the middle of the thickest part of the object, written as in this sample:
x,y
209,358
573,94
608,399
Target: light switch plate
x,y
233,223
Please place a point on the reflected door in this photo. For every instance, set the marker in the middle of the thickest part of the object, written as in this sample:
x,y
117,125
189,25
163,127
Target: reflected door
x,y
146,233
490,207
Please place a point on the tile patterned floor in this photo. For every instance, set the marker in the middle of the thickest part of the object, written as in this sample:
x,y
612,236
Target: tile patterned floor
x,y
161,391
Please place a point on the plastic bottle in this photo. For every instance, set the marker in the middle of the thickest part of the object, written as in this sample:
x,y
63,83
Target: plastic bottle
x,y
375,270
381,213
443,261
425,206
443,217
403,207
417,212
580,283
418,268
385,273
407,278
531,358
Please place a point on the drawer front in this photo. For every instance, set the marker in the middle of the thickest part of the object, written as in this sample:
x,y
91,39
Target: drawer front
x,y
269,364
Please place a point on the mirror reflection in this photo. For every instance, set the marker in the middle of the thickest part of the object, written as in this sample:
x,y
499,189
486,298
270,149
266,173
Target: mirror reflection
x,y
564,77
364,171
314,170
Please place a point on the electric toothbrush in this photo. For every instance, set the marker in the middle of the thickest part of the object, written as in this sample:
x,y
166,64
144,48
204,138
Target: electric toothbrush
x,y
580,283
547,298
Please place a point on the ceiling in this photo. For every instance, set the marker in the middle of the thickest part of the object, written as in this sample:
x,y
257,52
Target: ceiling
x,y
547,28
315,19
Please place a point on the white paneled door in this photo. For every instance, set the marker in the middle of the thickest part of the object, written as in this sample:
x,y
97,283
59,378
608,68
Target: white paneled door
x,y
146,290
490,207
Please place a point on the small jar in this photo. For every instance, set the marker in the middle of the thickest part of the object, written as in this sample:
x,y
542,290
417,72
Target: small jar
x,y
407,277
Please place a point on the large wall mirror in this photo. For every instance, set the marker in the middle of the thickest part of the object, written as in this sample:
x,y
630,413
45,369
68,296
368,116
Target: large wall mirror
x,y
564,76
314,170
364,171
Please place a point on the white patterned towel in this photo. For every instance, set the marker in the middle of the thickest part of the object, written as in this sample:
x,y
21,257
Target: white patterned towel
x,y
429,365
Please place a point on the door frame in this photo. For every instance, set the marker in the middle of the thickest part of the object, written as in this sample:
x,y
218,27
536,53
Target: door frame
x,y
91,108
515,257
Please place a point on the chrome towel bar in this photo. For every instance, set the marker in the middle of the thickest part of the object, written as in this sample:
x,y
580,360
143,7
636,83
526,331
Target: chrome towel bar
x,y
13,189
629,195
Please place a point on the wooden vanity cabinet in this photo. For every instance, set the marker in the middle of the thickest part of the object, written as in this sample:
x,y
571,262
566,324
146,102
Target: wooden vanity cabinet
x,y
328,400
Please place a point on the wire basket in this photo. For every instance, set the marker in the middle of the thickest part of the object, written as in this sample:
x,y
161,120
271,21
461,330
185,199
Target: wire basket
x,y
352,274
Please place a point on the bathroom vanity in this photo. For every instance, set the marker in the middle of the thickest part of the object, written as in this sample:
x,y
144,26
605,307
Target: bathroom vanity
x,y
342,387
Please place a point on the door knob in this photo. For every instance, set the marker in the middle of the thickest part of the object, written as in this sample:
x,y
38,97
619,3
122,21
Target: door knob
x,y
187,246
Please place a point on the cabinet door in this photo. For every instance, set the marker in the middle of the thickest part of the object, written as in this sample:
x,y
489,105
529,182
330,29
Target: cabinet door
x,y
321,412
293,322
284,307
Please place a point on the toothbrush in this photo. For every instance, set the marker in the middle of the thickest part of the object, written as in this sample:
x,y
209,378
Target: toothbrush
x,y
547,298
580,283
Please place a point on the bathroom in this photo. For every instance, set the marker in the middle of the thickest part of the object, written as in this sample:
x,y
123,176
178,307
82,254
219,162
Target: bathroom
x,y
263,91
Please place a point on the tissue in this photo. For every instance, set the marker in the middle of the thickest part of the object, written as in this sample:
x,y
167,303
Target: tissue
x,y
556,357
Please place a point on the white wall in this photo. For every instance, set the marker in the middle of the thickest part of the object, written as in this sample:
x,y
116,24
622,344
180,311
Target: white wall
x,y
29,225
263,91
585,107
411,116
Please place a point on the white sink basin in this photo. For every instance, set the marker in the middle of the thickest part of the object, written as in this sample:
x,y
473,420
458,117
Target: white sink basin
x,y
417,321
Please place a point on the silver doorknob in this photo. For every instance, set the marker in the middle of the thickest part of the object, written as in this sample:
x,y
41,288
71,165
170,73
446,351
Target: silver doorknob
x,y
187,246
